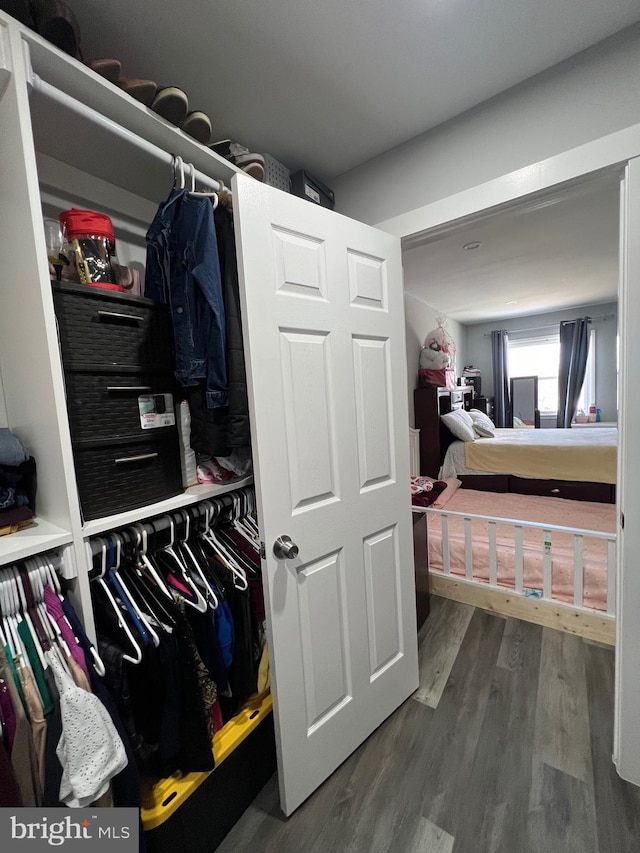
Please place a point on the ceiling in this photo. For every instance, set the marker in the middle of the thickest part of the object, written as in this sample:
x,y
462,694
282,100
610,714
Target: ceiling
x,y
549,253
328,85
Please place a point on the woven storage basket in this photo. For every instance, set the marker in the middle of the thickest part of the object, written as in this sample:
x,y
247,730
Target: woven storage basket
x,y
116,476
112,331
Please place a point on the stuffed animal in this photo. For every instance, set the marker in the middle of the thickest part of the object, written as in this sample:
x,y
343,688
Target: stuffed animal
x,y
433,357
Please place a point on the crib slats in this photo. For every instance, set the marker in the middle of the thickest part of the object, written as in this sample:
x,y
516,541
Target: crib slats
x,y
493,558
446,556
578,569
547,578
451,555
517,536
468,555
611,576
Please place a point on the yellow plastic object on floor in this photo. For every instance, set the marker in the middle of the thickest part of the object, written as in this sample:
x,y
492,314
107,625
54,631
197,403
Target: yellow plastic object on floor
x,y
167,795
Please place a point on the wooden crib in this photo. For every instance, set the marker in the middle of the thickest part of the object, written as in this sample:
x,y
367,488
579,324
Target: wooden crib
x,y
561,576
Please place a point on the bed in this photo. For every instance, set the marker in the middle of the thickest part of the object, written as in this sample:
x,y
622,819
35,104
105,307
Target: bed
x,y
505,554
441,454
568,463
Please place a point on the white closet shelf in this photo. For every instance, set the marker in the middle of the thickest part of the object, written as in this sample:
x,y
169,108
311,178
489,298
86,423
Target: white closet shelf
x,y
41,536
191,496
102,155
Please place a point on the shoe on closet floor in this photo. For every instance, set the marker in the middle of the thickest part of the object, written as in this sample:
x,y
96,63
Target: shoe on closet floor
x,y
198,126
172,104
143,91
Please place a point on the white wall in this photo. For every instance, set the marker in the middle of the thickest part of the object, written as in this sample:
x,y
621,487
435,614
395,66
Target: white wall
x,y
584,98
478,348
420,319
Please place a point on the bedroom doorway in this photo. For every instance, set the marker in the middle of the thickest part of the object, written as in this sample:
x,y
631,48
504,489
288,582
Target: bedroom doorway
x,y
619,156
549,259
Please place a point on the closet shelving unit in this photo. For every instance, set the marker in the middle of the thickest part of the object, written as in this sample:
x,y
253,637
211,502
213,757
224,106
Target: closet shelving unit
x,y
70,138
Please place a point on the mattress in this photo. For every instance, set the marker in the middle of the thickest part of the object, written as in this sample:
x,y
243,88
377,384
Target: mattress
x,y
557,511
547,454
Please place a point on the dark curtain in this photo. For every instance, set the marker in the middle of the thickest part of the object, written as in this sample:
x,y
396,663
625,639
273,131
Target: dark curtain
x,y
574,349
500,360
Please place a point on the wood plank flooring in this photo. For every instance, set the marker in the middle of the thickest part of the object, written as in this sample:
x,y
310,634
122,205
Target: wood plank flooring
x,y
504,748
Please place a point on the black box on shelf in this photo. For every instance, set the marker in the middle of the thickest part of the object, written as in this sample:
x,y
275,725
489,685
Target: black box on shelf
x,y
312,189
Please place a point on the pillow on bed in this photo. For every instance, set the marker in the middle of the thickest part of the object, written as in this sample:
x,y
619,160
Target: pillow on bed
x,y
460,423
482,424
481,417
482,431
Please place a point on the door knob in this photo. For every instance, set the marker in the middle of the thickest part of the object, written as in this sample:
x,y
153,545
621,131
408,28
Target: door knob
x,y
284,548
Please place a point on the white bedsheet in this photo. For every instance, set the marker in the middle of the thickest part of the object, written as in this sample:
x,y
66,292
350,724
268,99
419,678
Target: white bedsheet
x,y
559,444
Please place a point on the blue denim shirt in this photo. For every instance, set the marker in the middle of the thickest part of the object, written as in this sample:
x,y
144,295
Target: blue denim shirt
x,y
183,271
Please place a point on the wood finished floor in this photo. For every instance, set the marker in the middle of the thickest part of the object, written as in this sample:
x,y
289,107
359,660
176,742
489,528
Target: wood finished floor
x,y
504,748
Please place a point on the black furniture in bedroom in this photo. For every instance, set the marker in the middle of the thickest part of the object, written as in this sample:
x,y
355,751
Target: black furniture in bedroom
x,y
429,404
483,404
575,490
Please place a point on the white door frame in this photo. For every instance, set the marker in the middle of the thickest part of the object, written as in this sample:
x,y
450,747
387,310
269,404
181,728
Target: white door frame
x,y
617,152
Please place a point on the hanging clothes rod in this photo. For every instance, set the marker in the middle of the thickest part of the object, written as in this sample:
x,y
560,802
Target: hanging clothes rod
x,y
162,522
116,129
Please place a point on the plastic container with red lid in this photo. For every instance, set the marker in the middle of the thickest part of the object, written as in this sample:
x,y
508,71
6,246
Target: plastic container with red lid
x,y
90,240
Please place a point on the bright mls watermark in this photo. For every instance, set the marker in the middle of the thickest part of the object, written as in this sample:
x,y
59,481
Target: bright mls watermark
x,y
36,830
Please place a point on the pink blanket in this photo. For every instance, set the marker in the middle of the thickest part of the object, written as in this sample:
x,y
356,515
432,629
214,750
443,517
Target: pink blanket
x,y
581,514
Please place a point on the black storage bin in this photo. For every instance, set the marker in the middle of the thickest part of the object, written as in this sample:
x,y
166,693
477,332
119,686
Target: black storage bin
x,y
105,405
117,348
120,475
104,329
200,825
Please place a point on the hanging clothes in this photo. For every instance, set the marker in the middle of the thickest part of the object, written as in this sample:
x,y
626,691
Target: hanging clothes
x,y
166,707
23,754
9,793
183,271
38,722
90,749
216,432
54,608
63,744
202,599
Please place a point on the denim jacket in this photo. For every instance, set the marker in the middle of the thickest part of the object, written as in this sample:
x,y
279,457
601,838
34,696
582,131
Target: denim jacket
x,y
183,271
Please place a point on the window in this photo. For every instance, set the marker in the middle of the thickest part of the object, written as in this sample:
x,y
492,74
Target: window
x,y
538,357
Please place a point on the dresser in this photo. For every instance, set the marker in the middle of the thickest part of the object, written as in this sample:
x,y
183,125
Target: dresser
x,y
429,404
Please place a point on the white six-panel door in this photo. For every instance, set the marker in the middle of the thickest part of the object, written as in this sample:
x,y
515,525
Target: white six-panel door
x,y
324,333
